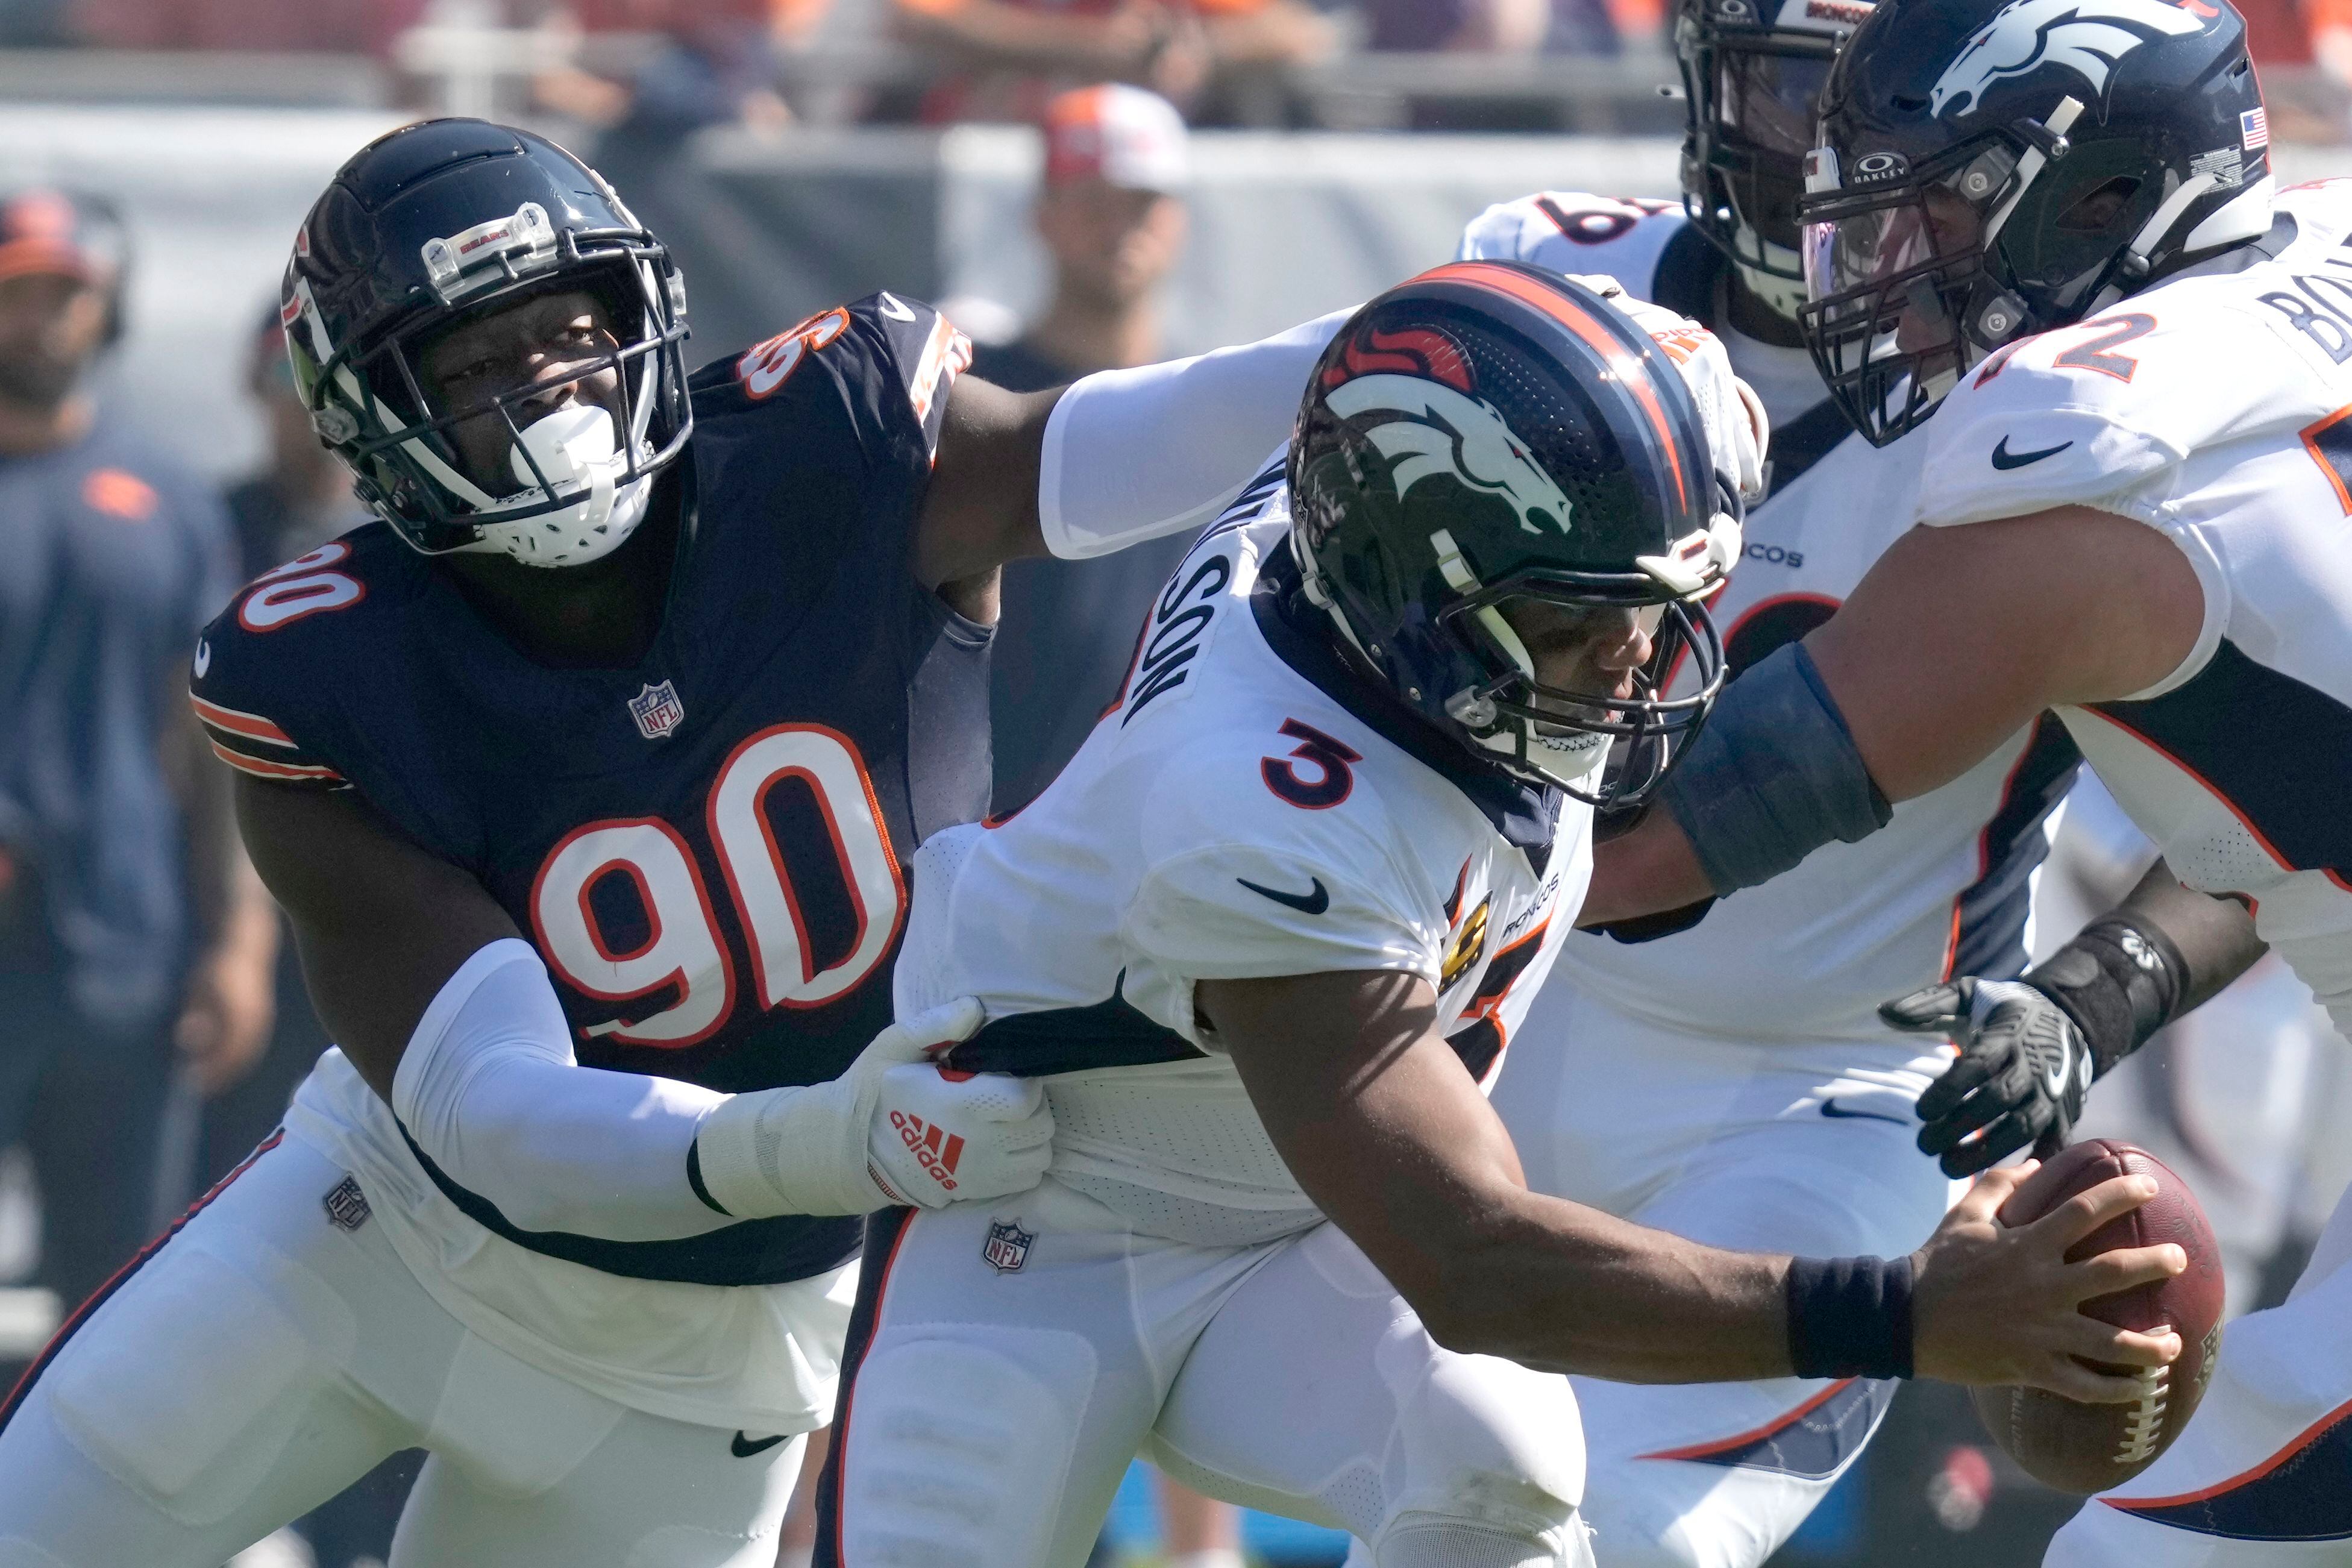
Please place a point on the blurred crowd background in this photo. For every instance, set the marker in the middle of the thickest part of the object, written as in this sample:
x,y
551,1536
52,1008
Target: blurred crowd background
x,y
1084,184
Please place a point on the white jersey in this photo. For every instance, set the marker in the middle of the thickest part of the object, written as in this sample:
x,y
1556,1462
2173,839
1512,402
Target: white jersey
x,y
2216,409
1244,810
1946,887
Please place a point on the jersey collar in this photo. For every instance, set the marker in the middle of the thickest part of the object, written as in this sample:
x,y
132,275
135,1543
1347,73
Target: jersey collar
x,y
1527,817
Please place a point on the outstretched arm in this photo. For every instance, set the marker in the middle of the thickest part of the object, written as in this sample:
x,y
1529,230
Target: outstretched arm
x,y
1956,640
453,1021
1386,1131
1114,460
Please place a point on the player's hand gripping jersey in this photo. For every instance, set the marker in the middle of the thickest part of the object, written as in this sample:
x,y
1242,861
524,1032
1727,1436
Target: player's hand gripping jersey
x,y
1242,810
705,849
2217,410
1945,889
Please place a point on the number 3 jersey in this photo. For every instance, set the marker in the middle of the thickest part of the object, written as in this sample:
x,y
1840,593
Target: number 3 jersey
x,y
2216,408
1247,808
706,848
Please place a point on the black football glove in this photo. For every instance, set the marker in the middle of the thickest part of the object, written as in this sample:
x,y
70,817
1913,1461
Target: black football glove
x,y
2023,1070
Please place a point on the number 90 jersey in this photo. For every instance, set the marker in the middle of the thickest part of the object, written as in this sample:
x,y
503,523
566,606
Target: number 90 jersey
x,y
2216,409
705,848
1247,808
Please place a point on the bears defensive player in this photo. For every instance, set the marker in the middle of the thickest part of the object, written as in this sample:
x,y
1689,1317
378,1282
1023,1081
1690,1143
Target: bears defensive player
x,y
1730,1081
1265,938
586,775
2047,237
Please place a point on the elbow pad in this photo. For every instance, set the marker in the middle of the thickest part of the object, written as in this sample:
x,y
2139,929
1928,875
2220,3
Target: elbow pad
x,y
1131,454
488,1088
1772,776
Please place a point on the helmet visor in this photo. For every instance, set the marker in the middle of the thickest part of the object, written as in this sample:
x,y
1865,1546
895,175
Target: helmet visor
x,y
1889,276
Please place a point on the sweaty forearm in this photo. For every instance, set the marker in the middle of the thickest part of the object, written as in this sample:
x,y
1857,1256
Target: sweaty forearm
x,y
1131,454
1556,1284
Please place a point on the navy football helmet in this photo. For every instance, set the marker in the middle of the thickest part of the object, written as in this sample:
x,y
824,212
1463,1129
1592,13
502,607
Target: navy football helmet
x,y
1991,170
444,222
1492,434
1752,75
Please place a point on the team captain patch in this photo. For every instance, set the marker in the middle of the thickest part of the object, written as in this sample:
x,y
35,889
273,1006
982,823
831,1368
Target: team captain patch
x,y
1007,1247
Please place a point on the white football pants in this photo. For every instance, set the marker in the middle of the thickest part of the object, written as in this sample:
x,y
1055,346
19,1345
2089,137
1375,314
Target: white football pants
x,y
1803,1147
2262,1473
1008,1359
263,1358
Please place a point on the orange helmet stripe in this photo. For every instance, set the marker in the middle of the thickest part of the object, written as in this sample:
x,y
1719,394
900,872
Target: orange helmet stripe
x,y
1568,312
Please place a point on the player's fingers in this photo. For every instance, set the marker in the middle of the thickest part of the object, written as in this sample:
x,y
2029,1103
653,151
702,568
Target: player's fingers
x,y
2010,1130
2070,1379
2126,1268
1931,1010
2113,1347
1982,1203
1974,1070
2089,1209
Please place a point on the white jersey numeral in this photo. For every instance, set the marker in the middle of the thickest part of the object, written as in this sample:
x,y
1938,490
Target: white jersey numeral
x,y
685,949
781,958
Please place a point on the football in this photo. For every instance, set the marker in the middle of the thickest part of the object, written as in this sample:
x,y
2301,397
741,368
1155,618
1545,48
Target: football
x,y
2089,1447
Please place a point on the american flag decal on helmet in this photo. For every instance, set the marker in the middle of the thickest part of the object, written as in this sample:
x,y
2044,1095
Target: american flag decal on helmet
x,y
2254,128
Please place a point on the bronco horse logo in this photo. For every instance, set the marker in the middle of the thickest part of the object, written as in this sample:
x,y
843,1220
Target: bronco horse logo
x,y
2086,36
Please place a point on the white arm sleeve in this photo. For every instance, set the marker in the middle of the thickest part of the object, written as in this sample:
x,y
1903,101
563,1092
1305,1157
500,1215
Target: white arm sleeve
x,y
1133,455
488,1088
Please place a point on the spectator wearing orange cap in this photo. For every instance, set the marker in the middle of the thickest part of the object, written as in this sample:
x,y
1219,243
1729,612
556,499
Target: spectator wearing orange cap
x,y
128,919
1006,57
1111,213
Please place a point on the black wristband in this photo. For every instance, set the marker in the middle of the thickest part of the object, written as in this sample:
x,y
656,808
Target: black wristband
x,y
1850,1317
2118,981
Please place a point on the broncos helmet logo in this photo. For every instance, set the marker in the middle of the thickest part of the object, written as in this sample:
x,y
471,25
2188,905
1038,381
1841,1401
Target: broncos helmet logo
x,y
1431,429
2086,36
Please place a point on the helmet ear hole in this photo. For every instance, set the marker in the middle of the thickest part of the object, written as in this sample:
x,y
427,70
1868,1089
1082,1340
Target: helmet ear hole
x,y
2099,209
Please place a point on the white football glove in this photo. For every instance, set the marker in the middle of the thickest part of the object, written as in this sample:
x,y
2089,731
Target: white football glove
x,y
893,1129
1738,429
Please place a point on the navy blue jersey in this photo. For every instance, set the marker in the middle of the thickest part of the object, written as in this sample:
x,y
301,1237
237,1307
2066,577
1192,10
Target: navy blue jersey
x,y
707,849
109,559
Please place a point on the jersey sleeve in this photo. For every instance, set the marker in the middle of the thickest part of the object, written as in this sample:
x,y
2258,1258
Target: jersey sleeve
x,y
1237,888
1573,232
239,697
892,362
2102,414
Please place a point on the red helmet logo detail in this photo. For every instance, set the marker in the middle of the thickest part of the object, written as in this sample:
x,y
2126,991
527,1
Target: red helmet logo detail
x,y
1415,350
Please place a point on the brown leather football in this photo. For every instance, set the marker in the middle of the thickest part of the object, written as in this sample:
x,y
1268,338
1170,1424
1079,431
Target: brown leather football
x,y
2089,1447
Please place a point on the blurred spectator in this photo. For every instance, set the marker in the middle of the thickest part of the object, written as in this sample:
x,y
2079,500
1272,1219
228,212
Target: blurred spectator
x,y
715,64
1007,57
1515,27
1112,215
129,920
341,26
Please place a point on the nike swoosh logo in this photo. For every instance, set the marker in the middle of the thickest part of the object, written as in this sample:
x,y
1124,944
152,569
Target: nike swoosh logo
x,y
2002,458
1830,1107
1313,903
744,1447
894,310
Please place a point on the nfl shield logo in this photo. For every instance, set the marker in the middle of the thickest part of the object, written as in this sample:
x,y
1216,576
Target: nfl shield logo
x,y
347,1205
1007,1247
656,710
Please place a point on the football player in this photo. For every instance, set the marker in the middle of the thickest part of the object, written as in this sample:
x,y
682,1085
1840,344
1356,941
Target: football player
x,y
1729,1080
585,776
1264,940
2046,238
